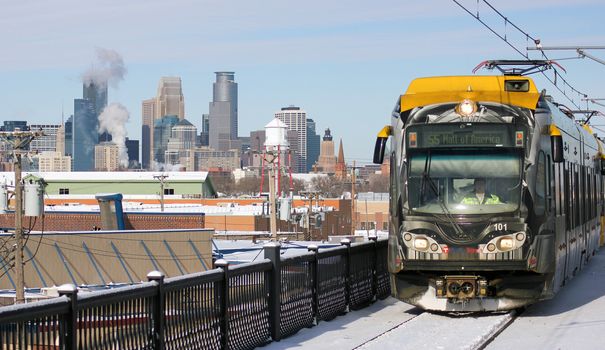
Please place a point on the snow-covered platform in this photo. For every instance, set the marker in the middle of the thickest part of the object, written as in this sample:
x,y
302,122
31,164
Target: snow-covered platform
x,y
573,319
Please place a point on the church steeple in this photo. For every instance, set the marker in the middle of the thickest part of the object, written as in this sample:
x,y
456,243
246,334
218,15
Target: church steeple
x,y
341,166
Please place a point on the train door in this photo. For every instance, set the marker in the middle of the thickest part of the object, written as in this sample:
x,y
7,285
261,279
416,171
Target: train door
x,y
567,203
569,261
576,226
594,221
560,195
585,206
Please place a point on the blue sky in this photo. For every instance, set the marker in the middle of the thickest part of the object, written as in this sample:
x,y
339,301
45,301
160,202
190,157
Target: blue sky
x,y
345,63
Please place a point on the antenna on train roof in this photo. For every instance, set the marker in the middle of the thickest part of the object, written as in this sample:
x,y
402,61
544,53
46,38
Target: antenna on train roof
x,y
518,67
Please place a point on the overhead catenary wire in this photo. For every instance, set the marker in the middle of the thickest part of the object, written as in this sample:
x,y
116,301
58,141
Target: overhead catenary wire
x,y
557,75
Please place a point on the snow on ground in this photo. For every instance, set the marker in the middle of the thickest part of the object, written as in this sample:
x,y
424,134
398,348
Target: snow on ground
x,y
351,330
438,331
573,319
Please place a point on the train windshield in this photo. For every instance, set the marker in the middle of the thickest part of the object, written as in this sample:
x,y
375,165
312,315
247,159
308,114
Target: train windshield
x,y
472,182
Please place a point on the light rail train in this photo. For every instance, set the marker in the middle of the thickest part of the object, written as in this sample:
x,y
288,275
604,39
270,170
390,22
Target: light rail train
x,y
496,192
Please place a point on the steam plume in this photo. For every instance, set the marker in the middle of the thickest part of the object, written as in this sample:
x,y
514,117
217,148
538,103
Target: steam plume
x,y
109,69
113,120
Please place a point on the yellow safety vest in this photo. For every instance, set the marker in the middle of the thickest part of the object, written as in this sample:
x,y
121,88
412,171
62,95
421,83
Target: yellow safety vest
x,y
488,199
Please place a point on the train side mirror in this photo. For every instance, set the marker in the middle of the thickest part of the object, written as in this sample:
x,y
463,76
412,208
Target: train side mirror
x,y
381,144
556,147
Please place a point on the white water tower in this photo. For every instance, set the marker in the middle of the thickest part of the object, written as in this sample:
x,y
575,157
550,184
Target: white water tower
x,y
275,136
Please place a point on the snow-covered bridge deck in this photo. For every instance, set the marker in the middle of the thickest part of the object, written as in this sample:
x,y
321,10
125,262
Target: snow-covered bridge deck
x,y
574,319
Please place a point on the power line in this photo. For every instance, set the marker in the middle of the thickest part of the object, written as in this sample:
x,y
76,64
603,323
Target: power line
x,y
557,75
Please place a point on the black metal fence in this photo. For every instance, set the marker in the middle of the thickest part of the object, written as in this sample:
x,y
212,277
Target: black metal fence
x,y
231,307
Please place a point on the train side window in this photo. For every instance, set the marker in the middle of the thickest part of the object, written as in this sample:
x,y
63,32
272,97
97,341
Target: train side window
x,y
540,203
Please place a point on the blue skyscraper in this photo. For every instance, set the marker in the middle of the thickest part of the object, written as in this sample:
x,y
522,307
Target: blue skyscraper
x,y
313,144
69,137
85,125
85,135
162,131
12,125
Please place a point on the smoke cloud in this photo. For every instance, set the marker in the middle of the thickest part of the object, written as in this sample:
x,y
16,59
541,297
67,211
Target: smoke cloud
x,y
156,166
113,119
108,69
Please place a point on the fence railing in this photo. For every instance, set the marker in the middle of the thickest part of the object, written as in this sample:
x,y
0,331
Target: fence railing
x,y
230,307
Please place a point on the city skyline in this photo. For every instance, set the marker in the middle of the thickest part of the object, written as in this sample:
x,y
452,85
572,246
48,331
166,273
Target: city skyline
x,y
345,70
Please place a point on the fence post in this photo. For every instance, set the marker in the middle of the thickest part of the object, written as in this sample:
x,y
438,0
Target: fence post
x,y
157,313
315,275
70,322
224,302
272,252
347,242
374,277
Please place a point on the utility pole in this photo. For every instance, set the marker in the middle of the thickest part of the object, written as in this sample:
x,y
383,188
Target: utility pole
x,y
310,195
19,140
161,178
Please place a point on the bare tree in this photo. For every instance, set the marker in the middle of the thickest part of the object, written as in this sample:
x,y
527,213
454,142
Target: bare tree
x,y
378,183
330,186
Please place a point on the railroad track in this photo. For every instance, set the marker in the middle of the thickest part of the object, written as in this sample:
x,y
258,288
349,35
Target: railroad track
x,y
443,331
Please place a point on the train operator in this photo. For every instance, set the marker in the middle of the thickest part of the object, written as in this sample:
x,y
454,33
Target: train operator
x,y
479,196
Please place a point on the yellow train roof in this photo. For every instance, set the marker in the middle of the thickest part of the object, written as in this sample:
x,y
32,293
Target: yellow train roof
x,y
426,91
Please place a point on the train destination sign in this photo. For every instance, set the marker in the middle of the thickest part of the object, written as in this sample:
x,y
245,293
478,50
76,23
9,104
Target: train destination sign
x,y
448,136
474,139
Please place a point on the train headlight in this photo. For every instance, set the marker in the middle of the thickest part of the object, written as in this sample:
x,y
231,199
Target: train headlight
x,y
421,243
466,108
506,243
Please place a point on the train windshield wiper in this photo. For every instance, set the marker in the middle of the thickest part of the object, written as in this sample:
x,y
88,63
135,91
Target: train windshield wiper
x,y
427,180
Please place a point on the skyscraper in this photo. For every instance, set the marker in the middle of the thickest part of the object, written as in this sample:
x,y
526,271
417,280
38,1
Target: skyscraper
x,y
222,120
205,134
313,145
85,135
85,125
97,95
69,137
132,147
106,157
182,140
148,111
162,131
296,119
169,100
47,142
12,125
